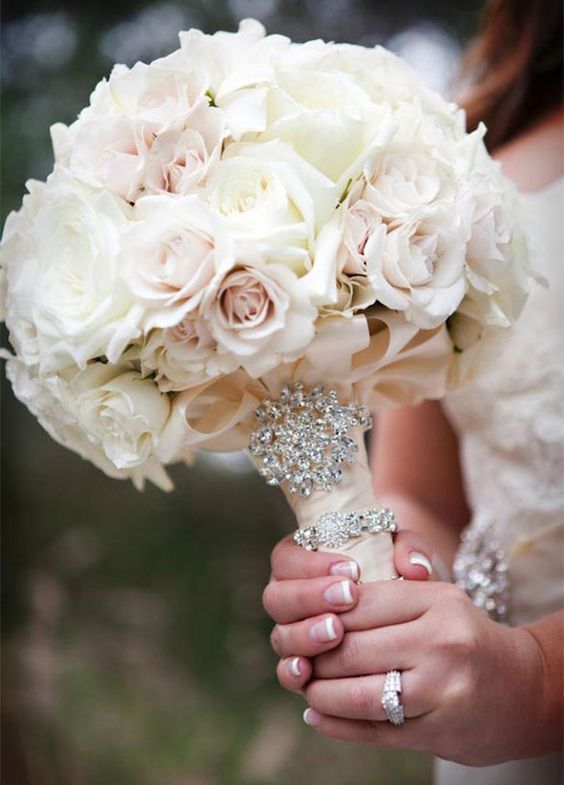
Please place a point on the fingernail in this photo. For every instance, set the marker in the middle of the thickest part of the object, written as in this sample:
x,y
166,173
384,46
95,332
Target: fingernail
x,y
324,631
339,593
419,560
294,667
311,717
348,568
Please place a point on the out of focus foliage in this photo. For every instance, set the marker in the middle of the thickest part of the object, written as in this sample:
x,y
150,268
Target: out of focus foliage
x,y
135,650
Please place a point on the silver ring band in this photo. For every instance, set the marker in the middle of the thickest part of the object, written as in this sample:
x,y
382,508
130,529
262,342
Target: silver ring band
x,y
390,699
335,529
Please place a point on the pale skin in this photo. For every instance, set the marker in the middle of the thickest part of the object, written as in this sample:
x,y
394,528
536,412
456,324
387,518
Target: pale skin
x,y
475,691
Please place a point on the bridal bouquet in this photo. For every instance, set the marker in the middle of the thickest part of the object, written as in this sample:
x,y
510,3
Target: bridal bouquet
x,y
252,242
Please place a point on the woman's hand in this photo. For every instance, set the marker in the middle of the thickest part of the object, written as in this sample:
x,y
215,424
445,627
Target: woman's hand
x,y
308,590
472,688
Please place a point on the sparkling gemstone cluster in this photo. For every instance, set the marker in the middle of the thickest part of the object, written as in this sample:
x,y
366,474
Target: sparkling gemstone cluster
x,y
304,438
480,568
390,698
335,529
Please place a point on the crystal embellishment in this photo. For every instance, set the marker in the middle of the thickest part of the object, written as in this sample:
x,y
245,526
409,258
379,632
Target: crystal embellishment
x,y
304,438
390,700
480,568
335,529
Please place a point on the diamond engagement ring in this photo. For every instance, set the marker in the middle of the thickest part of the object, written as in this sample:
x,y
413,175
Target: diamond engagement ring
x,y
390,699
335,529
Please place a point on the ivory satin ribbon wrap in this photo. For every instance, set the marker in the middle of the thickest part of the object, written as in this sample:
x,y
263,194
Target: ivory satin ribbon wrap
x,y
382,361
373,552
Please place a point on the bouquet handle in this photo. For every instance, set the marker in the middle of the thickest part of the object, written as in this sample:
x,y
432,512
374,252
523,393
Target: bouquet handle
x,y
313,447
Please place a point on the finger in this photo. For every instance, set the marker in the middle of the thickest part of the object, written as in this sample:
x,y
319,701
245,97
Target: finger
x,y
360,698
382,603
289,561
307,638
412,556
294,600
293,673
371,651
413,735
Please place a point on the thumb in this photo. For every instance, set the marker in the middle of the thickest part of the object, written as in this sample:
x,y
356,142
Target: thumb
x,y
413,556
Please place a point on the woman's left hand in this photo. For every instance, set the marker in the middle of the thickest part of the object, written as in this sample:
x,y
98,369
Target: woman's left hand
x,y
472,688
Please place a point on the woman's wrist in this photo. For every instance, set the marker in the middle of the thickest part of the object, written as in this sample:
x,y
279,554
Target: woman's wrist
x,y
543,643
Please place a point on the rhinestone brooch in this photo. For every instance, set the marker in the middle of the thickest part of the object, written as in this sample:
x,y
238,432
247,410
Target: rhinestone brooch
x,y
335,529
304,438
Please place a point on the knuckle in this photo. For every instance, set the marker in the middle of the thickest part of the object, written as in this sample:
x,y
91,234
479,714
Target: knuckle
x,y
362,701
268,599
453,595
349,653
276,555
276,639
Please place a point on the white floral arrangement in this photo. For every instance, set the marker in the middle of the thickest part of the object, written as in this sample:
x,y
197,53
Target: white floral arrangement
x,y
244,213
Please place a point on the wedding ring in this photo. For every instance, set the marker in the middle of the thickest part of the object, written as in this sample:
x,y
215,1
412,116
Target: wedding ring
x,y
390,699
335,529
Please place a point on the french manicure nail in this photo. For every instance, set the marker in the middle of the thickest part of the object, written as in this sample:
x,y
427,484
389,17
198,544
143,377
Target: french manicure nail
x,y
294,667
338,593
324,631
350,569
419,560
311,717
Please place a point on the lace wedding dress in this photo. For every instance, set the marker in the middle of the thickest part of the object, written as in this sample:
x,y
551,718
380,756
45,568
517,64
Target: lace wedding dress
x,y
511,430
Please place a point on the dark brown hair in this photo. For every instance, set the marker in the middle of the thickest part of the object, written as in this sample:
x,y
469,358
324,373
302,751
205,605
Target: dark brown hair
x,y
514,67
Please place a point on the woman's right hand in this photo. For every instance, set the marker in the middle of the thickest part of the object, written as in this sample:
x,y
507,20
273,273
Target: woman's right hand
x,y
308,592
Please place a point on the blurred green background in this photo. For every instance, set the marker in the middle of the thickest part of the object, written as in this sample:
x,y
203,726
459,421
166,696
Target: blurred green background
x,y
135,649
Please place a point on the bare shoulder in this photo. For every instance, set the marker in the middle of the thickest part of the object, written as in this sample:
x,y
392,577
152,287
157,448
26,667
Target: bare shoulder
x,y
536,158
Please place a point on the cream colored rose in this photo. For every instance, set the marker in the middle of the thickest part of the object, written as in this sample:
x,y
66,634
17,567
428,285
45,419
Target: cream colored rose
x,y
122,411
171,253
404,178
109,416
328,119
267,195
421,271
240,70
258,315
182,356
148,130
66,301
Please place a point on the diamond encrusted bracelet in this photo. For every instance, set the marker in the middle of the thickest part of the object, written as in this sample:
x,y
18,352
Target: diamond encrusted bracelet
x,y
335,529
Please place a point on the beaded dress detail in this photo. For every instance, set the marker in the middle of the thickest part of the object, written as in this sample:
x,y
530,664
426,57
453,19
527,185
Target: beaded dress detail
x,y
510,424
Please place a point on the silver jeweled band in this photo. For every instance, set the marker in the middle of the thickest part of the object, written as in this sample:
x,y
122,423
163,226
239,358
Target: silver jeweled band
x,y
335,529
390,699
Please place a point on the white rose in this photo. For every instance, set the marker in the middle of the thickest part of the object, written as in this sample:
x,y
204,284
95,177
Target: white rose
x,y
328,119
122,411
359,256
148,130
66,303
260,316
181,356
421,271
267,194
403,178
108,417
240,69
171,254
